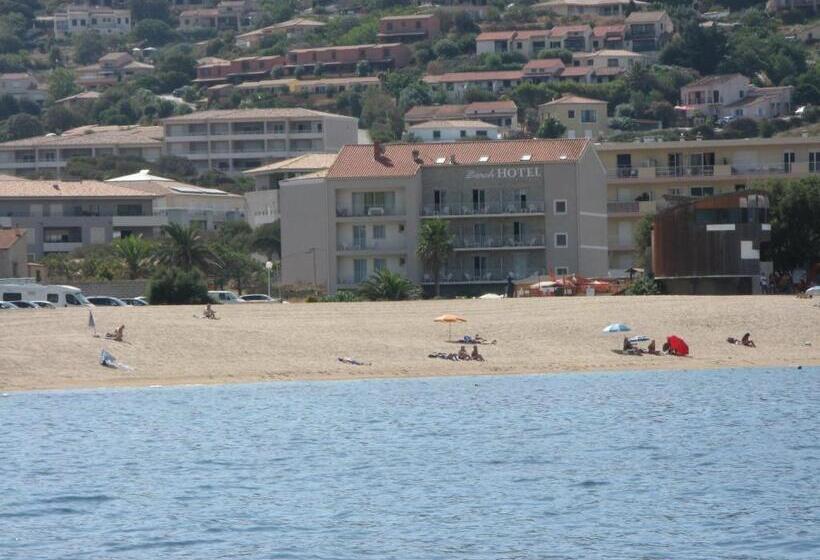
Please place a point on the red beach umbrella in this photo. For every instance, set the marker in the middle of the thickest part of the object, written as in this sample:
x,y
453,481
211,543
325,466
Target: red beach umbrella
x,y
677,345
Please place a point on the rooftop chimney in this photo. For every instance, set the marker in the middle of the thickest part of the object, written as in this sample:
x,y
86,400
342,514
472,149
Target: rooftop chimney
x,y
452,159
417,156
55,186
378,150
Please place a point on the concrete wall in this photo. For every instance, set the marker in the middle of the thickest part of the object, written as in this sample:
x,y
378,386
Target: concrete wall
x,y
305,232
116,288
593,255
13,260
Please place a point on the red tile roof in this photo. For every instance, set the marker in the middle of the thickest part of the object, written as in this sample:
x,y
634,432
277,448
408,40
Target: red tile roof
x,y
564,30
554,64
484,106
602,31
356,161
577,71
10,236
474,76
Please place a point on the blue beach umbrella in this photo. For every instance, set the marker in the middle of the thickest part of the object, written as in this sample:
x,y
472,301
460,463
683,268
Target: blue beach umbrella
x,y
616,327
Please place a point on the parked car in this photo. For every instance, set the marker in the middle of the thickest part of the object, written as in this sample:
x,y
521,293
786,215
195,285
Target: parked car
x,y
106,301
223,296
813,291
134,302
22,304
6,305
44,304
257,298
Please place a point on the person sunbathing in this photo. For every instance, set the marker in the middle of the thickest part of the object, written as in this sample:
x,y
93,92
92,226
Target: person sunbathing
x,y
462,354
117,334
475,355
209,313
627,345
651,348
352,361
747,341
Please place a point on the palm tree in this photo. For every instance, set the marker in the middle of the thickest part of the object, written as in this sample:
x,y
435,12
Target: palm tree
x,y
135,252
388,285
185,247
435,246
267,239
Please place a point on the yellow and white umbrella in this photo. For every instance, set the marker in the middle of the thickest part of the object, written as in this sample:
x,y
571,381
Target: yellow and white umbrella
x,y
449,319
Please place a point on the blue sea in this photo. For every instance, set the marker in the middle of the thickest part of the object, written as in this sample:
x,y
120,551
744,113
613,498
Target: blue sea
x,y
652,465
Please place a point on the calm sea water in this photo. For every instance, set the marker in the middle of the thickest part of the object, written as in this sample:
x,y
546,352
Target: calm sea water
x,y
691,465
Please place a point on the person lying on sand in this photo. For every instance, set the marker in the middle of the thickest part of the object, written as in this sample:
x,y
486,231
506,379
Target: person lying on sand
x,y
209,312
445,356
116,335
475,355
351,361
747,341
462,354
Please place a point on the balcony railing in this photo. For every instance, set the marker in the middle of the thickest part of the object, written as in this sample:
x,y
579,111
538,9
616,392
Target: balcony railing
x,y
372,246
636,207
490,208
499,242
477,276
721,170
370,211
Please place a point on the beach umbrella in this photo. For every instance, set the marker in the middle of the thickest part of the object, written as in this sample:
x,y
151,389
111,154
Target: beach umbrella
x,y
677,345
491,296
616,327
449,319
639,338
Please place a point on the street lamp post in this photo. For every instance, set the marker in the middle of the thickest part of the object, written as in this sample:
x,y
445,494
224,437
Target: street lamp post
x,y
269,267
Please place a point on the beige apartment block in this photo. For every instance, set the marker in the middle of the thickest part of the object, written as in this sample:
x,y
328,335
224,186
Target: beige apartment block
x,y
516,208
582,117
237,140
645,176
76,19
46,156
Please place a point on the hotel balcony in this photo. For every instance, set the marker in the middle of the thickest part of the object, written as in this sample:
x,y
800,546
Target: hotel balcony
x,y
369,211
373,247
490,209
698,172
139,221
632,209
490,243
479,276
61,246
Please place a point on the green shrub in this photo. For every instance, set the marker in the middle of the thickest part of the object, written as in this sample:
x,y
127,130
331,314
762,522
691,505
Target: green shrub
x,y
645,286
343,296
175,286
388,285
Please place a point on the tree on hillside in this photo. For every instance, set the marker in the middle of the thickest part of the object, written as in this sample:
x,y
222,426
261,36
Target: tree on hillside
x,y
381,116
696,47
22,126
793,211
414,94
267,239
435,244
153,32
150,9
61,84
58,118
88,47
185,247
135,253
551,128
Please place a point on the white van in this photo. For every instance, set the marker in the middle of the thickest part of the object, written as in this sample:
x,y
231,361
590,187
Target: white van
x,y
17,289
223,296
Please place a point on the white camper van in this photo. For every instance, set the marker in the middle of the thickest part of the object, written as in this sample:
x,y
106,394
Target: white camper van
x,y
25,289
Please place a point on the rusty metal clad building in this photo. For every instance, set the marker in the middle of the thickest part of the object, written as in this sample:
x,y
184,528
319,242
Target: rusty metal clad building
x,y
712,245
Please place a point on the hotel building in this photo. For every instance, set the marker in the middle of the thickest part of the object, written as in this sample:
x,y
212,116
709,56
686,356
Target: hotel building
x,y
644,177
233,141
515,208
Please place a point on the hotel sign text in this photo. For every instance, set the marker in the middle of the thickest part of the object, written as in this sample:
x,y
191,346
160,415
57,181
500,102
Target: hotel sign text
x,y
510,173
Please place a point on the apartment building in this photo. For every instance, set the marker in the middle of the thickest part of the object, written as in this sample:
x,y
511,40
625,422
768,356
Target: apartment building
x,y
111,69
320,86
76,19
648,31
60,217
343,60
530,42
589,8
476,8
733,95
292,29
409,29
516,208
22,86
576,38
263,202
453,131
788,5
503,114
643,176
233,141
583,117
184,204
216,70
47,156
610,37
455,84
228,15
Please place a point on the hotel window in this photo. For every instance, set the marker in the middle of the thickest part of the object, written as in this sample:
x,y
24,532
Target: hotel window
x,y
561,241
379,264
379,232
359,270
439,200
571,114
702,191
589,116
436,134
561,271
463,134
559,206
814,162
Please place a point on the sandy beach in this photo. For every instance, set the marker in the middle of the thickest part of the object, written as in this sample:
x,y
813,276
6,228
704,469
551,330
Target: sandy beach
x,y
260,342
